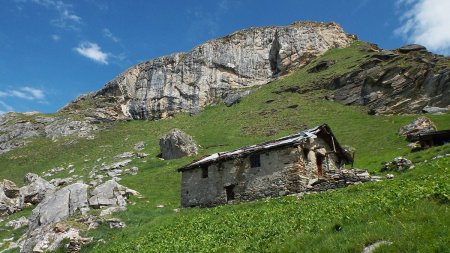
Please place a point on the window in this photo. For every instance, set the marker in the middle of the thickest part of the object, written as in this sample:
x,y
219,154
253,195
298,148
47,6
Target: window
x,y
204,171
230,192
255,161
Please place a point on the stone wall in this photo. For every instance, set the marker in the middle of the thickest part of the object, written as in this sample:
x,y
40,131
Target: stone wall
x,y
281,172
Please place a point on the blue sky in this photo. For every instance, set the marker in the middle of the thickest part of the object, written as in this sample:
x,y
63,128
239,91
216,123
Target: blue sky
x,y
51,51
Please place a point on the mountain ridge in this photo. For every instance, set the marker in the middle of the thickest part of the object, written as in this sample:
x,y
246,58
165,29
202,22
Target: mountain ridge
x,y
186,82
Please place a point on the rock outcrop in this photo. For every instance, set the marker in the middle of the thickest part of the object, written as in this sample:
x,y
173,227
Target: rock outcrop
x,y
36,188
110,194
18,129
13,199
420,125
10,201
49,237
401,81
435,110
59,205
186,82
398,164
235,97
48,225
177,144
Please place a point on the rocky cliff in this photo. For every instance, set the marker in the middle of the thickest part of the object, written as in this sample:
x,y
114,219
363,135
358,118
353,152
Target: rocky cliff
x,y
186,82
402,81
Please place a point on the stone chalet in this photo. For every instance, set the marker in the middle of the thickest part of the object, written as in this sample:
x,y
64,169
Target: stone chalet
x,y
288,165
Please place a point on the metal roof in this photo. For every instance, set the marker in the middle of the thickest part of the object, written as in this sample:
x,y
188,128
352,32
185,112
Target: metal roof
x,y
290,140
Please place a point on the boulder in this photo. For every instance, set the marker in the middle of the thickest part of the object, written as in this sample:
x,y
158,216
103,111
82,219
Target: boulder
x,y
141,155
110,193
59,205
234,97
322,65
435,109
10,189
420,125
35,189
9,206
372,247
115,223
139,146
132,171
398,164
412,48
177,144
10,200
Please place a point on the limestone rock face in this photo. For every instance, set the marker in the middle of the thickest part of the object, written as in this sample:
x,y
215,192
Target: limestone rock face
x,y
177,144
110,193
36,188
59,205
186,82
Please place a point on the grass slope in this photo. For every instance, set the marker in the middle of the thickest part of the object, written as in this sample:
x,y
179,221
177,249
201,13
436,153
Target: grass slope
x,y
414,205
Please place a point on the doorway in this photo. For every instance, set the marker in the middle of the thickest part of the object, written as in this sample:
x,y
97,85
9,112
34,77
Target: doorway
x,y
319,161
230,192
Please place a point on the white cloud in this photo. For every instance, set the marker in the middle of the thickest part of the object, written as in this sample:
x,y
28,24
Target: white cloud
x,y
4,108
19,94
426,22
56,37
67,17
108,34
92,51
35,93
28,93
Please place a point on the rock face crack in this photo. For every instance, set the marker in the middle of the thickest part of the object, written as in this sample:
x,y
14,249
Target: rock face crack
x,y
274,56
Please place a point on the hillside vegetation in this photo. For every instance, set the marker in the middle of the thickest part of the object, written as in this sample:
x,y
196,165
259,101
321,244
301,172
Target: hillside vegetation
x,y
411,211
